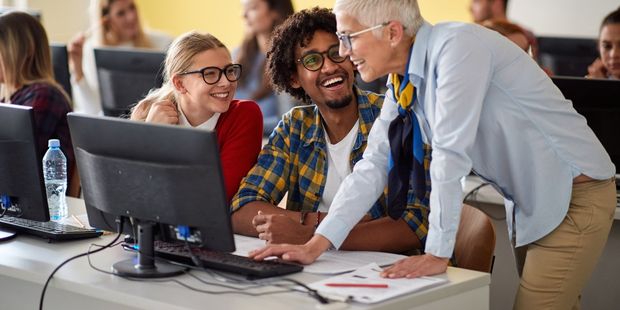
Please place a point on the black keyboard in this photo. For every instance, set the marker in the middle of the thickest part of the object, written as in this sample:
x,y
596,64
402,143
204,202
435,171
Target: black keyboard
x,y
49,230
223,261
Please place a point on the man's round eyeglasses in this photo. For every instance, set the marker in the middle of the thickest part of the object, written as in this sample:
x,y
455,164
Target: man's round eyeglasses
x,y
212,75
313,61
345,39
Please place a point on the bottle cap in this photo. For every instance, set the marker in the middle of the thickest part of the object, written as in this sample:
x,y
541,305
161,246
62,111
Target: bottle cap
x,y
53,143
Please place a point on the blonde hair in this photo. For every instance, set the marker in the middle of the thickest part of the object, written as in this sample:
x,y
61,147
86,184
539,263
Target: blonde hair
x,y
25,53
179,58
99,10
375,12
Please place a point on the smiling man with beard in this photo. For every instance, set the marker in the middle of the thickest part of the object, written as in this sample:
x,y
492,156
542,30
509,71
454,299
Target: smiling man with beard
x,y
314,147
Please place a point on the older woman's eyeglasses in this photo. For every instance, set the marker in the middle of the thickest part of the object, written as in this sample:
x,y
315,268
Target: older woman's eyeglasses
x,y
212,75
313,61
345,39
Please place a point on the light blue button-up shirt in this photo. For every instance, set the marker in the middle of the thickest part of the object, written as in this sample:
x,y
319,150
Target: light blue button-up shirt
x,y
484,105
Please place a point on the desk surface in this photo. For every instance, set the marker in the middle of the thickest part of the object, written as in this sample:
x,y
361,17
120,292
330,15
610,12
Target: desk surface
x,y
27,261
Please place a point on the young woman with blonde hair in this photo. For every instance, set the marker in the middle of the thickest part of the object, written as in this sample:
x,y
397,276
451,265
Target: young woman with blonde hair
x,y
115,23
199,85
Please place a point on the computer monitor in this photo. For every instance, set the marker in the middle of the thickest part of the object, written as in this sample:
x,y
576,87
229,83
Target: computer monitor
x,y
21,175
126,76
567,56
60,63
160,176
599,102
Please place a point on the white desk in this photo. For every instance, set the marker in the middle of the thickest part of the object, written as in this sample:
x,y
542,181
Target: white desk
x,y
488,194
600,293
25,263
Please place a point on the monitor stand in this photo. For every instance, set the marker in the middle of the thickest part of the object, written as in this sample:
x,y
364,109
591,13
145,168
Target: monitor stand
x,y
143,265
7,234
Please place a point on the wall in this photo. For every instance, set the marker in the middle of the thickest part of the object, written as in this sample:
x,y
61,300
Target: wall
x,y
224,18
564,18
64,18
61,18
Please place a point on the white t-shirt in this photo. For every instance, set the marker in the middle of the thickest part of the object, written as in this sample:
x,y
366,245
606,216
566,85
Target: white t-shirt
x,y
338,166
85,93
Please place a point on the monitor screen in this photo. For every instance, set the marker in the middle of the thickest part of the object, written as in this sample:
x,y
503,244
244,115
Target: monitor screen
x,y
599,102
567,56
126,76
157,175
61,66
20,166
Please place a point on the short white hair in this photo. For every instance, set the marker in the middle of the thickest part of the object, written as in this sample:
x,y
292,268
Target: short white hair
x,y
375,12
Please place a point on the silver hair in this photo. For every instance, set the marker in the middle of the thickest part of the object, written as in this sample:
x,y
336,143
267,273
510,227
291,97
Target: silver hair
x,y
375,12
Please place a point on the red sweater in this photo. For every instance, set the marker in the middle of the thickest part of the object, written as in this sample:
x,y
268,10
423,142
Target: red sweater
x,y
239,135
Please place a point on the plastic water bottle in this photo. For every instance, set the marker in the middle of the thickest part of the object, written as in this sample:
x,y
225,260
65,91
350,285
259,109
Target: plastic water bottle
x,y
55,176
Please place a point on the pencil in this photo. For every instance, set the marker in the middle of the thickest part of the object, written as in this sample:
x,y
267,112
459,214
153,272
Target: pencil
x,y
367,285
77,220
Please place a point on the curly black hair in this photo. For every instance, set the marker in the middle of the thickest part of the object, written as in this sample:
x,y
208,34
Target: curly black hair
x,y
297,30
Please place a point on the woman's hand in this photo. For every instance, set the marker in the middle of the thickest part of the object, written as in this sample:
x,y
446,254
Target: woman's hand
x,y
597,70
75,51
163,112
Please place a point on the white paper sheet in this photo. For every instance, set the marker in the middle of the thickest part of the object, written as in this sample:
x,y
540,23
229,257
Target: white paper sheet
x,y
369,274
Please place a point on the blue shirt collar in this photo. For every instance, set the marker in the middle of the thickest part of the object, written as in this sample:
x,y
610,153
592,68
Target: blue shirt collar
x,y
418,56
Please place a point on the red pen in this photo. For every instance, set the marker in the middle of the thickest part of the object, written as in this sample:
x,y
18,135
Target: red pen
x,y
367,285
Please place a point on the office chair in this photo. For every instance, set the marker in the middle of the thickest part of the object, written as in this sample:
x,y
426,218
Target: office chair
x,y
475,241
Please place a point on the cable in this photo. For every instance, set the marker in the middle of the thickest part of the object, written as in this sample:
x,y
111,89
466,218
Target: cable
x,y
237,290
87,253
184,232
312,292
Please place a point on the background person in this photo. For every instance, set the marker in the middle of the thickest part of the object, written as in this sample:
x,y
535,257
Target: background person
x,y
482,10
608,65
198,90
485,106
27,78
115,23
261,18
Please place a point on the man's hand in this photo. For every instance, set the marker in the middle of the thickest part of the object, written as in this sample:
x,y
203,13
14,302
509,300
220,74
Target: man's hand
x,y
163,112
279,228
416,266
305,253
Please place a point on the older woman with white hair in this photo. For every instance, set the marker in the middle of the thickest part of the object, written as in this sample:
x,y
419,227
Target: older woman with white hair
x,y
484,106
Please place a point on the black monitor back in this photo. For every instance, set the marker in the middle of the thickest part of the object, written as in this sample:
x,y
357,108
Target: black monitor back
x,y
60,62
165,174
126,76
599,102
567,56
21,175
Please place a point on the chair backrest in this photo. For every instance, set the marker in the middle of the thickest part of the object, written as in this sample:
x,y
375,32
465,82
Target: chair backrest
x,y
475,240
126,76
60,62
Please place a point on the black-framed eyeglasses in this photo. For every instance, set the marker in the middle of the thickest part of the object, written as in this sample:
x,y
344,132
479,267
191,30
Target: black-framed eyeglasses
x,y
345,39
212,75
313,61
